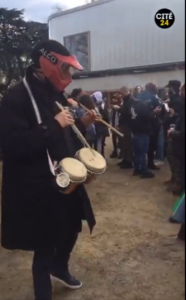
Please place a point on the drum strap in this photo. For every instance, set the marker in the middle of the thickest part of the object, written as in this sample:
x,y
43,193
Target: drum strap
x,y
38,117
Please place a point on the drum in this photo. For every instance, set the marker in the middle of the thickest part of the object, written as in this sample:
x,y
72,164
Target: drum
x,y
93,161
69,174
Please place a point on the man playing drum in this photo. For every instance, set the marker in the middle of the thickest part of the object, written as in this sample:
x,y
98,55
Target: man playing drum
x,y
36,216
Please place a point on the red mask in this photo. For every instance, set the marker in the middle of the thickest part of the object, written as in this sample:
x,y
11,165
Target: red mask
x,y
57,68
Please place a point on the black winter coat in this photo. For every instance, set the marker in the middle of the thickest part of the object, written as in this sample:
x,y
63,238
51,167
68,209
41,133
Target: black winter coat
x,y
101,129
125,111
34,212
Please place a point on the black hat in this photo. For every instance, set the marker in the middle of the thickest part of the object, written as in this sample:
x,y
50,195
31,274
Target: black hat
x,y
49,46
174,83
55,47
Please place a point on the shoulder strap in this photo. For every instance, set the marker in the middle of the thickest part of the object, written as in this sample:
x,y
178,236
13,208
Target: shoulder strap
x,y
38,117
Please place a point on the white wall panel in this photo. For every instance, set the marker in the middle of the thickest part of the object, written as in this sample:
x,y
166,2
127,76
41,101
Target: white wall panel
x,y
123,33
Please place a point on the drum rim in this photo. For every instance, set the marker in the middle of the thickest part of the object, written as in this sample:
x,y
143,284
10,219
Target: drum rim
x,y
72,180
68,178
90,171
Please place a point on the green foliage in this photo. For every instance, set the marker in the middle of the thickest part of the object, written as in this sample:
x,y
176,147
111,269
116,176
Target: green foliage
x,y
17,38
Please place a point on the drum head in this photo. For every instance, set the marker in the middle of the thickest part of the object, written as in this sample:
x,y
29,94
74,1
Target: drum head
x,y
74,169
93,162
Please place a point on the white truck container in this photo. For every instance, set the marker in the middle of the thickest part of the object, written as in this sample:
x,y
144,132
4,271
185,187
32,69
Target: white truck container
x,y
123,35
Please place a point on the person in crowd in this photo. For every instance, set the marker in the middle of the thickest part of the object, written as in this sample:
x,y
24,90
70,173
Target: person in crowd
x,y
160,151
165,97
124,126
36,215
115,112
86,100
101,130
75,93
175,101
176,137
176,105
150,94
2,90
137,90
141,122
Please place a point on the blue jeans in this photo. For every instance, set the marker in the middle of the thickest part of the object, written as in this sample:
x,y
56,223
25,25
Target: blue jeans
x,y
140,148
161,145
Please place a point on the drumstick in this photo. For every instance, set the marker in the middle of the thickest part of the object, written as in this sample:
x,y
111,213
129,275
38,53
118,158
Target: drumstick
x,y
76,130
104,122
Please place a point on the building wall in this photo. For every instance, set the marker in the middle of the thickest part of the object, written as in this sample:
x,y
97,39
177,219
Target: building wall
x,y
116,82
123,33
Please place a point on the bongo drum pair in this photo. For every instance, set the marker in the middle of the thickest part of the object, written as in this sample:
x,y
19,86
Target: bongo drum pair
x,y
72,172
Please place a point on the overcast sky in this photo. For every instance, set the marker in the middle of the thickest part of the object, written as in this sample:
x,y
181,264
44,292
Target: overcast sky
x,y
39,10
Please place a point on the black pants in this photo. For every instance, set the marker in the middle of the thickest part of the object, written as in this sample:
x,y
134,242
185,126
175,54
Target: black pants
x,y
99,145
47,261
153,142
115,142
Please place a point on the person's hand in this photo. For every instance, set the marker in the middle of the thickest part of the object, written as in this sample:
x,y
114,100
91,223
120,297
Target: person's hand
x,y
89,118
64,118
72,102
171,112
169,131
157,110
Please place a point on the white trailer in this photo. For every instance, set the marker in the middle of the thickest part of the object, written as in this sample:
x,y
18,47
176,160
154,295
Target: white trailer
x,y
122,43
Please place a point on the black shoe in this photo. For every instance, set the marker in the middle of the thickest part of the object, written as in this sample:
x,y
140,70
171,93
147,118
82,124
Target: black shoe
x,y
113,155
181,234
171,220
177,193
147,175
67,280
153,167
127,165
122,163
137,173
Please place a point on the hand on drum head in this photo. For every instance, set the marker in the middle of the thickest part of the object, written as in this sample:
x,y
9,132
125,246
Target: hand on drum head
x,y
64,118
89,118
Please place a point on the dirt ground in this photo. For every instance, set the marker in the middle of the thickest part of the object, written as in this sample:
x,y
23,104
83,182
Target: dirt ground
x,y
131,254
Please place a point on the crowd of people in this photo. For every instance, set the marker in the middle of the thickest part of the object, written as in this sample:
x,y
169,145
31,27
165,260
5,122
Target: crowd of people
x,y
153,129
147,122
37,215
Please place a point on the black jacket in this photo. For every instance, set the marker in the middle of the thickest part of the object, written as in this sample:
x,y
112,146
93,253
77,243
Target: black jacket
x,y
176,103
125,111
142,116
34,212
101,129
178,137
